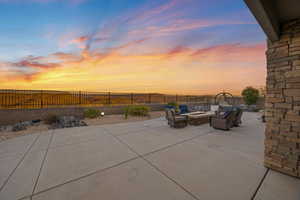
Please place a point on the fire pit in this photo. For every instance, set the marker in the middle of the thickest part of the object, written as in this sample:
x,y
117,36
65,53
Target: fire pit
x,y
198,118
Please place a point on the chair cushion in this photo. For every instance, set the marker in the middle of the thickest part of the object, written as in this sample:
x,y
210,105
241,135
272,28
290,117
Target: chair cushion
x,y
169,107
226,108
183,109
226,114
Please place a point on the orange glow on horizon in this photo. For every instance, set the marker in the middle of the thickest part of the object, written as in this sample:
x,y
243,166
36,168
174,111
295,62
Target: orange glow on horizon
x,y
181,71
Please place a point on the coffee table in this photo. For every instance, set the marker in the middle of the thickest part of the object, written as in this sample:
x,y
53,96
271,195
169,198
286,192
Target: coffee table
x,y
194,113
198,118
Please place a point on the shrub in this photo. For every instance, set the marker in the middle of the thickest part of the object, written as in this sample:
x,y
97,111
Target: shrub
x,y
173,104
136,111
250,95
256,110
91,113
51,119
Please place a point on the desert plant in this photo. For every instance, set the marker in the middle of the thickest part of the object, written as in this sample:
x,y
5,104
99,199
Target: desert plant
x,y
173,104
250,95
256,110
51,119
91,113
136,111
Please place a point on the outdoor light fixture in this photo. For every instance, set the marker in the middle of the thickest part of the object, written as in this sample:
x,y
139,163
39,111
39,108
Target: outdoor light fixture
x,y
102,114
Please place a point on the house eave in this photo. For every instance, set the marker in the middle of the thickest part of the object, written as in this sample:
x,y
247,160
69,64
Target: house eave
x,y
266,17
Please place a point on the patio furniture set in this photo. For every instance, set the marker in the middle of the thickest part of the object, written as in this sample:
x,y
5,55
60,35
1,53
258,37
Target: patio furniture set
x,y
223,118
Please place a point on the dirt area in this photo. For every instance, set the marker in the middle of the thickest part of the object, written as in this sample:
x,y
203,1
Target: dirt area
x,y
108,119
114,119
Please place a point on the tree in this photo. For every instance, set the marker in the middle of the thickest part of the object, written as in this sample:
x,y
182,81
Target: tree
x,y
250,95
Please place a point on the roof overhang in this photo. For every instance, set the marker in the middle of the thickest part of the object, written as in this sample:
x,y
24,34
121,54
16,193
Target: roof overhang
x,y
270,14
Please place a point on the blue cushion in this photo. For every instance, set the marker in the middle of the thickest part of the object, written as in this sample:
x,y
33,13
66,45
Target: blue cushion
x,y
226,108
169,107
225,115
183,109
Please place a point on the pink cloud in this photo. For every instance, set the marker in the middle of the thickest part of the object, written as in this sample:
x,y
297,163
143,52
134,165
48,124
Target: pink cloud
x,y
179,25
73,2
147,22
177,50
80,41
136,36
144,14
27,69
237,53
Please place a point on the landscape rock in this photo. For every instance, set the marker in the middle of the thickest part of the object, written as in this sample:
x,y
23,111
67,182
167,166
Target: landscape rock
x,y
20,126
36,121
8,128
67,122
17,127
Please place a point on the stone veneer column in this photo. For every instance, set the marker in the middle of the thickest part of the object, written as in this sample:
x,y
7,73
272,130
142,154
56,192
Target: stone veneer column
x,y
282,142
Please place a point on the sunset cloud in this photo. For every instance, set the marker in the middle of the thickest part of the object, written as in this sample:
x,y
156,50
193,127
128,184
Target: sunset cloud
x,y
42,1
156,47
232,52
149,22
111,63
80,41
148,14
65,57
180,25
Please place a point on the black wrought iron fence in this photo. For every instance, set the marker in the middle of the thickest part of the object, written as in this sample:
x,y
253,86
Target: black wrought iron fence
x,y
31,99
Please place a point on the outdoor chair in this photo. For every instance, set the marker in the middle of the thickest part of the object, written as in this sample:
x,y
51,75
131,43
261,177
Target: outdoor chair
x,y
226,108
167,107
223,121
238,117
176,121
167,114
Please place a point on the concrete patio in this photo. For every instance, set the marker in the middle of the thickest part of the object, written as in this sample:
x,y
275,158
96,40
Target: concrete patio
x,y
143,160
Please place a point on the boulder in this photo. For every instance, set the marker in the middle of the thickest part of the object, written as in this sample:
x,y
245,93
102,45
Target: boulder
x,y
19,126
67,122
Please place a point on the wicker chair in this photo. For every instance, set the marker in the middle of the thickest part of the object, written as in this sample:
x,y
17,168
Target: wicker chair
x,y
176,121
223,121
238,117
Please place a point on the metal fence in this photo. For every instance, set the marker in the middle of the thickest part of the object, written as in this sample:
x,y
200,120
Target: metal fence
x,y
35,99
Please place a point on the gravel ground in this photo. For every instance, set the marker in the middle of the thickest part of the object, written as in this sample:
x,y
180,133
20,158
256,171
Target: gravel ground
x,y
108,119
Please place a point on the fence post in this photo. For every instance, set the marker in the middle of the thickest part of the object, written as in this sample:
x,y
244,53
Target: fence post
x,y
149,98
131,98
14,99
109,98
176,98
80,98
41,98
187,98
165,98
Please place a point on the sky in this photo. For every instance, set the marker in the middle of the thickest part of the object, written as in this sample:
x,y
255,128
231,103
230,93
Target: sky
x,y
164,46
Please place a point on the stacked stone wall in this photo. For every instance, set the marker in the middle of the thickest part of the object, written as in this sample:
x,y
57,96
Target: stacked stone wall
x,y
282,142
